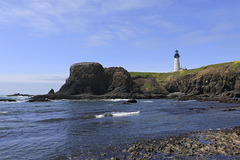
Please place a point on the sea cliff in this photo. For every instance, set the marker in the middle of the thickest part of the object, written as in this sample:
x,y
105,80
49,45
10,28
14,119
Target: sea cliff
x,y
90,80
213,81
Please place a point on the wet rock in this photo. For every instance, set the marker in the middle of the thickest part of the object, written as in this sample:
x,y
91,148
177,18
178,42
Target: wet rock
x,y
51,91
7,100
199,144
19,94
103,154
229,109
132,101
131,149
39,99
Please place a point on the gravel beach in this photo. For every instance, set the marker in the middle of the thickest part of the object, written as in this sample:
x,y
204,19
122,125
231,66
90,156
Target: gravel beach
x,y
217,144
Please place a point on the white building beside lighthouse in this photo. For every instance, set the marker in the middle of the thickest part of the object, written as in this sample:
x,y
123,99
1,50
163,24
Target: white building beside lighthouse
x,y
177,62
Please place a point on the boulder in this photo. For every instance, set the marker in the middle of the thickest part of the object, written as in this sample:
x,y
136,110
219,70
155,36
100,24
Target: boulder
x,y
132,101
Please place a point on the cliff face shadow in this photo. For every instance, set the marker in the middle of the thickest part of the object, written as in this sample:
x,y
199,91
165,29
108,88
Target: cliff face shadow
x,y
92,78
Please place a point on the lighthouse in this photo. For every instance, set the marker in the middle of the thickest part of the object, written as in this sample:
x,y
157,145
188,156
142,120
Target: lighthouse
x,y
176,61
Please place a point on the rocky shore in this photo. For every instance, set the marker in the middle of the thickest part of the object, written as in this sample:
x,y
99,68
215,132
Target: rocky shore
x,y
7,100
217,144
90,80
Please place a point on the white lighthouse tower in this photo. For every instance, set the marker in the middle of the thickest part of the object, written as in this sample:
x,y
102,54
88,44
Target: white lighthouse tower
x,y
176,61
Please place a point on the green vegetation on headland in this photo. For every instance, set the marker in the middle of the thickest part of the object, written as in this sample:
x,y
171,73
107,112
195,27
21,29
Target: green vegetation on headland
x,y
217,80
92,81
164,77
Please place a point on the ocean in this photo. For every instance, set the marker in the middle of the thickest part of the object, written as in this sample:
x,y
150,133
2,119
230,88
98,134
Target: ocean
x,y
83,129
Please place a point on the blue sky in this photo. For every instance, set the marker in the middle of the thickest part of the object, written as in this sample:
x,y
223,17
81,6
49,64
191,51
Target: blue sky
x,y
40,39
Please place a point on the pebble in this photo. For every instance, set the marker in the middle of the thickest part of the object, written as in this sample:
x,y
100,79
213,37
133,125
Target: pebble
x,y
198,144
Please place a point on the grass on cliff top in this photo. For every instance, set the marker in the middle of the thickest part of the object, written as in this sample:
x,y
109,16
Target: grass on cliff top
x,y
163,77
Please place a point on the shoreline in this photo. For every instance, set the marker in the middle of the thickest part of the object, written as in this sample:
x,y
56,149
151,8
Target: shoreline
x,y
206,144
47,97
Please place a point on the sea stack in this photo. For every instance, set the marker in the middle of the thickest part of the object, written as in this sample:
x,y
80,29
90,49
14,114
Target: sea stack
x,y
91,78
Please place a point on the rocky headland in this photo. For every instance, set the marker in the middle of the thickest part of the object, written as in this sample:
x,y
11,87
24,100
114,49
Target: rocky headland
x,y
219,82
90,80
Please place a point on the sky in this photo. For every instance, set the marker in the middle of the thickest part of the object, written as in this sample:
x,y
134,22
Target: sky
x,y
41,39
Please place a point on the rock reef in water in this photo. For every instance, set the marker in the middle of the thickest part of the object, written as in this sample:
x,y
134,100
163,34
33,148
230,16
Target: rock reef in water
x,y
8,100
91,79
19,94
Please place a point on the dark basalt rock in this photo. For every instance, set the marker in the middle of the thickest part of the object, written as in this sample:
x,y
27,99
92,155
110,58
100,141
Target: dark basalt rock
x,y
218,144
91,78
40,98
222,81
51,91
132,101
19,94
7,100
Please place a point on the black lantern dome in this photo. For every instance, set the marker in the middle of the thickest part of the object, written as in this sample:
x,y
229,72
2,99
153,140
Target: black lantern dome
x,y
176,54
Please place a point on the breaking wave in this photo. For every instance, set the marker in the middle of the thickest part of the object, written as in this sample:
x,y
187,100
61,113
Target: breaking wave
x,y
114,100
117,114
148,101
4,112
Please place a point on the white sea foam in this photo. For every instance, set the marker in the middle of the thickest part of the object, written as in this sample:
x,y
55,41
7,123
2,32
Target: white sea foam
x,y
147,101
190,101
115,100
4,112
117,114
100,116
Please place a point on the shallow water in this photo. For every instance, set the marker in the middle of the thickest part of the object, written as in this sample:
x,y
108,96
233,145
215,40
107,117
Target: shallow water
x,y
80,129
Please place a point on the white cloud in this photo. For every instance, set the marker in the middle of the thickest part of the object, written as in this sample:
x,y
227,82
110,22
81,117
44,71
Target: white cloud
x,y
101,39
27,78
220,27
41,16
58,15
159,21
199,37
122,5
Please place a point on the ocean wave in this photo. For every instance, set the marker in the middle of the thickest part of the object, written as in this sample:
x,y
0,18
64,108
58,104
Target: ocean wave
x,y
147,101
6,128
189,101
50,120
114,100
117,114
4,112
87,117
